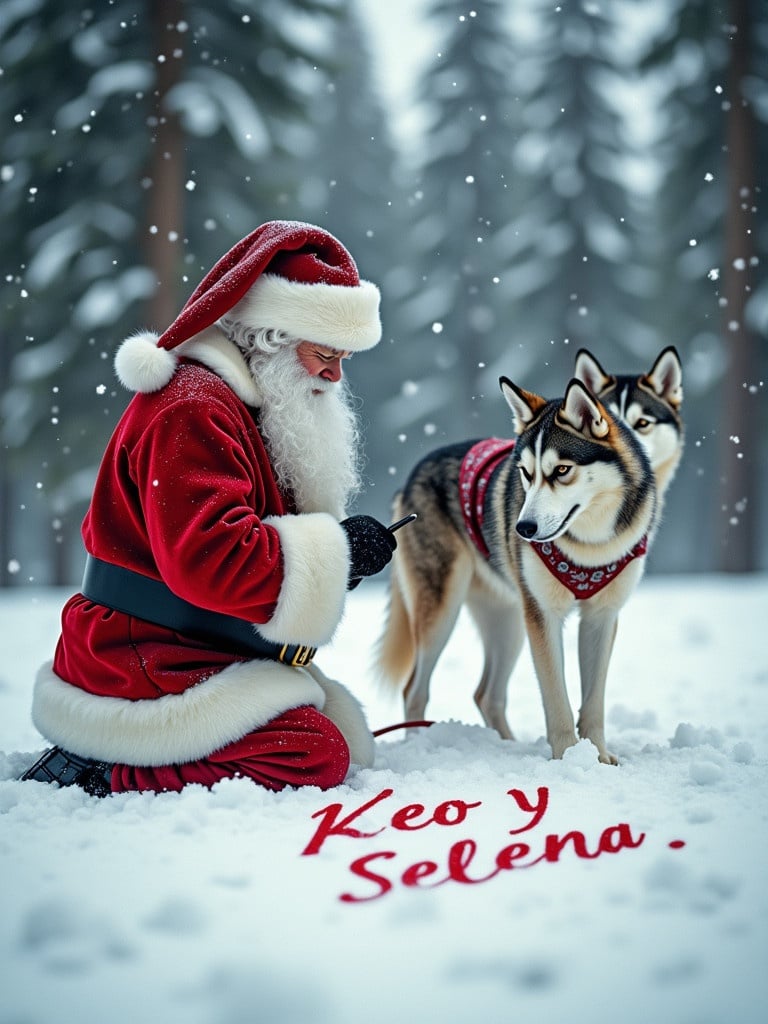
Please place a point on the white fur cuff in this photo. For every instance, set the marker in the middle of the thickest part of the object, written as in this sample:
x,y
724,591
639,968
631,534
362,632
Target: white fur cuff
x,y
314,589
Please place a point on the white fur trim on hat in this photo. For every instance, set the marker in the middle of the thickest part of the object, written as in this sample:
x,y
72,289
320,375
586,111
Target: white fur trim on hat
x,y
174,728
344,317
314,588
142,366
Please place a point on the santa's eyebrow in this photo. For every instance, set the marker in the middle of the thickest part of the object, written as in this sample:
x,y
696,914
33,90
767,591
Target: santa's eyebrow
x,y
333,353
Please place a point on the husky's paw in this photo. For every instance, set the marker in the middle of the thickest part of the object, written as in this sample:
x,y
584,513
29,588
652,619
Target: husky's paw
x,y
560,743
597,736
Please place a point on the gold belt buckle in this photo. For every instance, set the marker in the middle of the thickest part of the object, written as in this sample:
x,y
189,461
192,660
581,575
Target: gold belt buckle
x,y
302,656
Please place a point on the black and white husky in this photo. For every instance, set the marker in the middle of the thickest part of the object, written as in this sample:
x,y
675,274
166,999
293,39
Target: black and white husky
x,y
649,403
523,531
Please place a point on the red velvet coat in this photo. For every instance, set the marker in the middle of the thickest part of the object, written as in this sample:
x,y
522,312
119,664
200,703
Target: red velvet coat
x,y
185,494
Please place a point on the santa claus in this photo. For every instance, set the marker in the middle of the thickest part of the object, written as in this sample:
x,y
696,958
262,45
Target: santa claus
x,y
219,557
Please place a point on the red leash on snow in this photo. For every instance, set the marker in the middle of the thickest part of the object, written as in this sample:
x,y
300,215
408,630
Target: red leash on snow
x,y
401,725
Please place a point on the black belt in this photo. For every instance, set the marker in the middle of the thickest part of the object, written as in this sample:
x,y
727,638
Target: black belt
x,y
144,598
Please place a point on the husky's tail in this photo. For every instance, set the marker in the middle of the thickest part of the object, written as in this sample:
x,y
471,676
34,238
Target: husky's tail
x,y
395,652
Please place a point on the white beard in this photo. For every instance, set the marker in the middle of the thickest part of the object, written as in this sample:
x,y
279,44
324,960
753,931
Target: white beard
x,y
312,439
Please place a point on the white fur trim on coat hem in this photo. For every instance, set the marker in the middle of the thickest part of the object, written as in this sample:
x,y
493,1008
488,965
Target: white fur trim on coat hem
x,y
347,714
315,570
175,728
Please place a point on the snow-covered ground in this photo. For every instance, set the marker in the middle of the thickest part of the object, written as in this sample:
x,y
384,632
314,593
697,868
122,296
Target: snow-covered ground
x,y
444,900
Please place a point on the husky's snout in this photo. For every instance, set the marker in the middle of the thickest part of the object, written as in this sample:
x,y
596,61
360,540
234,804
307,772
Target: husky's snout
x,y
543,524
527,528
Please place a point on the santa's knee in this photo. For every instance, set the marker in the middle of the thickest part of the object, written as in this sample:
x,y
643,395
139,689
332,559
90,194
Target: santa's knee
x,y
320,752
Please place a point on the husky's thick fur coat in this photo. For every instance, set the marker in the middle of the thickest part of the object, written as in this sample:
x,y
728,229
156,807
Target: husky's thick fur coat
x,y
564,520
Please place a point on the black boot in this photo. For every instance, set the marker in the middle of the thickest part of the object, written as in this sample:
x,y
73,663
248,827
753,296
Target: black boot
x,y
56,765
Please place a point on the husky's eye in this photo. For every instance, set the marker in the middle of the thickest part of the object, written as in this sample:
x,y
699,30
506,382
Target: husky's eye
x,y
525,475
562,472
643,424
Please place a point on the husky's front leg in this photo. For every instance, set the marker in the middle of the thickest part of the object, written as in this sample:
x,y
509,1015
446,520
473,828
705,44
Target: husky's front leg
x,y
545,634
597,631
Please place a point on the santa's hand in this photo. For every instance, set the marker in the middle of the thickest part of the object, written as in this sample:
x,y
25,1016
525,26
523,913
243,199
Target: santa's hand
x,y
370,547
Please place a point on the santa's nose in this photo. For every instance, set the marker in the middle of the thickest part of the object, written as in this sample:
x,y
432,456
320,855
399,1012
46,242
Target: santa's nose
x,y
332,371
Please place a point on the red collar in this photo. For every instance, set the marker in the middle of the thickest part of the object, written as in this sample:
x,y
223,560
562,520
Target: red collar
x,y
477,466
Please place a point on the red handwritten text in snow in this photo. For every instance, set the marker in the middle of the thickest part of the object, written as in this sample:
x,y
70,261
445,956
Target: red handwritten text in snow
x,y
376,874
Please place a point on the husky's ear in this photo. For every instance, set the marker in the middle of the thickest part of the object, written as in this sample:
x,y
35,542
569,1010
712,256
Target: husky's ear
x,y
589,371
582,411
666,377
525,405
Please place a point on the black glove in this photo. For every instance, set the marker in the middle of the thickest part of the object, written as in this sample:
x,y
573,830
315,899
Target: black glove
x,y
370,547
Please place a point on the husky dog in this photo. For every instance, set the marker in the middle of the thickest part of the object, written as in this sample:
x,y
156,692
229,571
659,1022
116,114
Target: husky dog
x,y
522,532
649,403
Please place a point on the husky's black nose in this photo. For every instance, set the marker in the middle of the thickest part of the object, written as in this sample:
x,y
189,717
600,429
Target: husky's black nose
x,y
527,528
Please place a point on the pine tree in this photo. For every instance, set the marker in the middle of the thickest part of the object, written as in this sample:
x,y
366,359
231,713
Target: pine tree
x,y
709,226
460,202
742,445
353,187
145,140
572,276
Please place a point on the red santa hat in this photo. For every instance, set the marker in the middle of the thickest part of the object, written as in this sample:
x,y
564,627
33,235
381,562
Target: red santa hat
x,y
285,275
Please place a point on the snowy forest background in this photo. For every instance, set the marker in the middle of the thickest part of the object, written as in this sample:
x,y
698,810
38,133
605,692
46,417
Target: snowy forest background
x,y
521,177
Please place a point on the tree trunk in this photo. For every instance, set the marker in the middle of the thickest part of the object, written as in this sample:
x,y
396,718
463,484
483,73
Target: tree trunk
x,y
60,546
739,431
164,227
6,521
6,486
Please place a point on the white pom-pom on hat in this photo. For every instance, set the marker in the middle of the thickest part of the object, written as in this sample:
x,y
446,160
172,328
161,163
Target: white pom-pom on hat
x,y
141,365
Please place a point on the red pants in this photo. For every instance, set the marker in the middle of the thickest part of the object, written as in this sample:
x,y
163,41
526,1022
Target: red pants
x,y
301,747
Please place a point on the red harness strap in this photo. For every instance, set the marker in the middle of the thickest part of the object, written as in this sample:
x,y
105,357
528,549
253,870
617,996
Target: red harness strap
x,y
475,472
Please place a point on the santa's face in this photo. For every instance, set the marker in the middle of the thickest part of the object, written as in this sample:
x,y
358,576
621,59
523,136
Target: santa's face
x,y
309,425
321,362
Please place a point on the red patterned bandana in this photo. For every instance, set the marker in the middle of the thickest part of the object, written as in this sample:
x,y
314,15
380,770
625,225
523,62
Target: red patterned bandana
x,y
476,470
477,466
584,581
